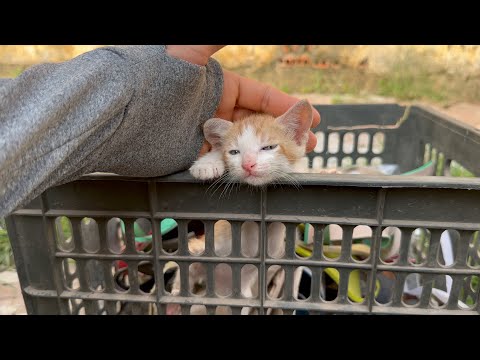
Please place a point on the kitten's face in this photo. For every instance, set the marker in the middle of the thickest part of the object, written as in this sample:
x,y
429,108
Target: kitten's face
x,y
260,149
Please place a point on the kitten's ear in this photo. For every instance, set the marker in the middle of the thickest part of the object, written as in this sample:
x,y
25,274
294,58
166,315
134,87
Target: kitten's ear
x,y
297,121
215,130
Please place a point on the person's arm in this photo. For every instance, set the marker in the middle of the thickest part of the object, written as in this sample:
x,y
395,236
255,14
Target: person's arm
x,y
133,110
3,82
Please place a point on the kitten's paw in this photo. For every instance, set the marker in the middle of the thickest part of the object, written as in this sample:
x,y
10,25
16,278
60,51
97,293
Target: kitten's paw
x,y
207,170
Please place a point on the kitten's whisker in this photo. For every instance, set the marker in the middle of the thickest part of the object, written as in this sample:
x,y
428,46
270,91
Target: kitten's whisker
x,y
225,190
217,187
234,184
292,180
229,190
218,183
225,184
288,178
276,182
218,180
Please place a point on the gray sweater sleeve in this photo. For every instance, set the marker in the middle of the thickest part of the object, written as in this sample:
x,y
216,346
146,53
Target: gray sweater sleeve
x,y
129,110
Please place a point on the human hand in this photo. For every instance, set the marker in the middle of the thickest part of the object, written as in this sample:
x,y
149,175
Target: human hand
x,y
242,96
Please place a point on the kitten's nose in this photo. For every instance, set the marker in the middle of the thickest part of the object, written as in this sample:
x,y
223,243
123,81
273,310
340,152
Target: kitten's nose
x,y
248,165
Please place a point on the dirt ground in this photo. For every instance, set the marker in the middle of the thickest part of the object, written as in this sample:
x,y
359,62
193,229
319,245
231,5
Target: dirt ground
x,y
11,300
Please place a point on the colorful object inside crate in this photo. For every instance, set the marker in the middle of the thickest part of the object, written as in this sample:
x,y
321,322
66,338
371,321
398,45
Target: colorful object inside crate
x,y
143,235
361,244
360,250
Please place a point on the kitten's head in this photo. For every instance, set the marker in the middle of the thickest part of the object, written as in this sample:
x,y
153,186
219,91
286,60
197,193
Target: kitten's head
x,y
260,149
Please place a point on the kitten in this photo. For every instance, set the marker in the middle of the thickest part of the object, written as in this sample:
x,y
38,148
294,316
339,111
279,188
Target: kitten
x,y
256,150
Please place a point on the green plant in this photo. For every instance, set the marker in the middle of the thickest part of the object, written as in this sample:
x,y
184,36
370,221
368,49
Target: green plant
x,y
337,99
66,227
6,254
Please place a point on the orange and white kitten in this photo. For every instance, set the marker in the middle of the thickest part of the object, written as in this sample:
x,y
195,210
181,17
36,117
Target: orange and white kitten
x,y
256,150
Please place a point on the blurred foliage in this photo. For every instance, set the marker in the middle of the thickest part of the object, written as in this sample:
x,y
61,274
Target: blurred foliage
x,y
439,73
6,254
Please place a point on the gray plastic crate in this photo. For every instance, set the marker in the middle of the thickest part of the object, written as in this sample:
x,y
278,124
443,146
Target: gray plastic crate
x,y
71,276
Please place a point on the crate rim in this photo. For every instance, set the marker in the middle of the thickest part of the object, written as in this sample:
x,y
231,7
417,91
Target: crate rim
x,y
375,181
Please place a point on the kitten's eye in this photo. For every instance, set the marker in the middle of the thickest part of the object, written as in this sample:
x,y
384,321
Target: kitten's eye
x,y
234,152
269,147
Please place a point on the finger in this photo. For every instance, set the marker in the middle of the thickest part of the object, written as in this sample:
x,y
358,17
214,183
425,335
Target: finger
x,y
312,142
224,114
229,96
257,96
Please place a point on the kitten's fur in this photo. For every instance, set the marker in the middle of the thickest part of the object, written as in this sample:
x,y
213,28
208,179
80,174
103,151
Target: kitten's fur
x,y
256,150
